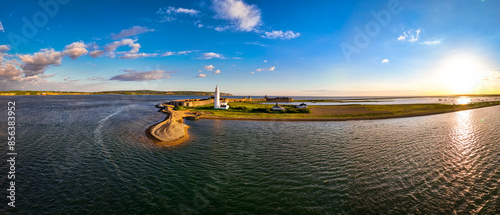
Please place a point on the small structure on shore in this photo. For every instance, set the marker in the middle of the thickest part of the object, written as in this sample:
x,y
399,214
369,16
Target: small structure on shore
x,y
277,107
303,105
224,106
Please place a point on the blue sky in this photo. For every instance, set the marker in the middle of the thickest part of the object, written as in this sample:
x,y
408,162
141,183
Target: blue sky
x,y
250,47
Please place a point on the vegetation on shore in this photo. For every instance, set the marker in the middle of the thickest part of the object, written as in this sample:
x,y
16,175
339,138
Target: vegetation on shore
x,y
120,92
244,110
381,99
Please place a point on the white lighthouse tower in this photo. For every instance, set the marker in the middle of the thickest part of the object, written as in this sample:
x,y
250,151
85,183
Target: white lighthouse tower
x,y
217,98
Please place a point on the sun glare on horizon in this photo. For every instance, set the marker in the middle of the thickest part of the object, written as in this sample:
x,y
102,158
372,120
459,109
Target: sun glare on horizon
x,y
461,74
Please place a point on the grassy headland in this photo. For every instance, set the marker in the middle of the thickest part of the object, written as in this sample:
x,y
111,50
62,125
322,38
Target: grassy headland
x,y
256,111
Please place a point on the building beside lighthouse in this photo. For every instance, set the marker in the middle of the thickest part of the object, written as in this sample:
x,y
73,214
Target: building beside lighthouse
x,y
217,103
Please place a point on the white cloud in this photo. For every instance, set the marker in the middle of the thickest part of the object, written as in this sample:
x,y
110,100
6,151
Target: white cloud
x,y
211,55
252,72
201,76
243,16
96,53
385,61
134,47
217,71
184,52
133,53
4,48
265,61
209,67
110,49
410,35
255,43
1,27
133,75
137,55
191,12
198,23
431,42
75,50
167,14
169,53
136,30
264,69
37,63
9,71
173,10
223,28
280,35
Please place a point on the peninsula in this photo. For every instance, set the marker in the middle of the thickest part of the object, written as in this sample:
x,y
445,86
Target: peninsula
x,y
172,131
252,111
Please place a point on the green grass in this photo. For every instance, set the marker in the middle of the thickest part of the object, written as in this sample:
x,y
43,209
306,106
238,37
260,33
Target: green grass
x,y
247,110
336,100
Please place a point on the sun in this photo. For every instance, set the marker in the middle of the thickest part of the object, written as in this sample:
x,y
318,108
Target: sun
x,y
461,73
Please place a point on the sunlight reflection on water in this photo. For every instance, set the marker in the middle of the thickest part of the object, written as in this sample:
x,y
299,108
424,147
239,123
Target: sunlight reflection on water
x,y
465,144
464,101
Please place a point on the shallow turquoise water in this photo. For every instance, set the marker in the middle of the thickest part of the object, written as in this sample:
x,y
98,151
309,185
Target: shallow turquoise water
x,y
89,155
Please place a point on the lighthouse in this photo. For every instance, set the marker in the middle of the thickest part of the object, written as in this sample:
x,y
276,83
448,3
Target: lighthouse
x,y
217,97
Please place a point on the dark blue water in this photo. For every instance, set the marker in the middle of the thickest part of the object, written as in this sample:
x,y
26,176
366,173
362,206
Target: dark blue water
x,y
89,155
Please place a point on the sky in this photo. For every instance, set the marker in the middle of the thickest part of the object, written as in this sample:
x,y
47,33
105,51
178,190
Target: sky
x,y
253,47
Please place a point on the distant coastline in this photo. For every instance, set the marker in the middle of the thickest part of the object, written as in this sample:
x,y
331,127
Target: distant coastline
x,y
118,92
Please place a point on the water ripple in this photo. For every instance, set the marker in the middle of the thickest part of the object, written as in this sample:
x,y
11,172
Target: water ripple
x,y
89,155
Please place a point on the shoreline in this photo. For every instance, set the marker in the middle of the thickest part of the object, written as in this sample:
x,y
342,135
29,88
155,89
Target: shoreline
x,y
172,131
319,119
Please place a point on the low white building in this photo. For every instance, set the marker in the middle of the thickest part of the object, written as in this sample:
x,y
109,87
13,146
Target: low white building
x,y
224,105
303,105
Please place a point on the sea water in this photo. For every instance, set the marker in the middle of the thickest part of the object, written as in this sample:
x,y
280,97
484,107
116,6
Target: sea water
x,y
90,155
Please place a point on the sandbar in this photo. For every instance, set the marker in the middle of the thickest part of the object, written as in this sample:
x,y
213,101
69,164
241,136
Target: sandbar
x,y
171,131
